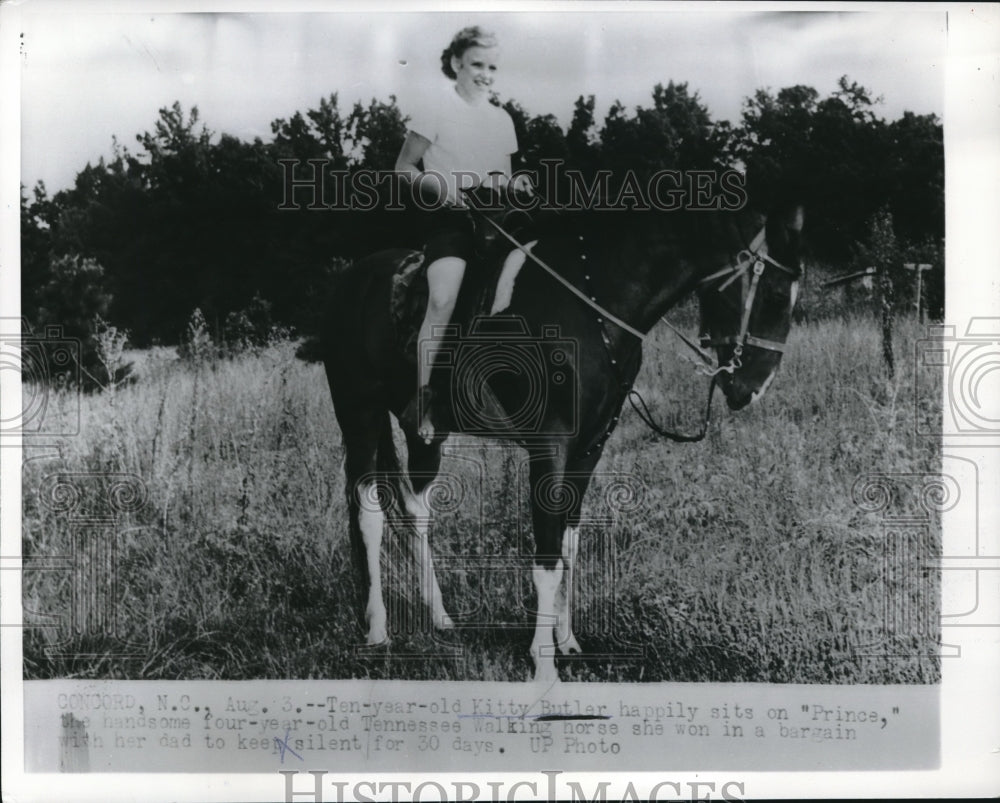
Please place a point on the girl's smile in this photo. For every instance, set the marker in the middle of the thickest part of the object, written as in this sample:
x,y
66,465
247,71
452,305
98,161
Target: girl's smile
x,y
474,73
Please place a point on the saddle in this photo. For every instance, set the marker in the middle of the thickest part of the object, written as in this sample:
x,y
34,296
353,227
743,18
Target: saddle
x,y
408,297
408,302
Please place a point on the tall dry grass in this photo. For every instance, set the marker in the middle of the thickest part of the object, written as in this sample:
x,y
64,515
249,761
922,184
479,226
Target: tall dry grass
x,y
742,558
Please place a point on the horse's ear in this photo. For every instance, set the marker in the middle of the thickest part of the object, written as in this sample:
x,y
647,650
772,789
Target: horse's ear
x,y
784,224
795,218
791,217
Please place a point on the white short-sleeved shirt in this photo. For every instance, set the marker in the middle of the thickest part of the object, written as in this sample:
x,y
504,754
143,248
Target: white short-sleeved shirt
x,y
464,138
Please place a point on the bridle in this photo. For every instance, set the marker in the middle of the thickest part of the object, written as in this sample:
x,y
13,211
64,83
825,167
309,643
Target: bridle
x,y
752,260
749,267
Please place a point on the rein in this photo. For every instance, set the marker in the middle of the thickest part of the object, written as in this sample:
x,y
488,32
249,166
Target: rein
x,y
750,256
635,399
588,300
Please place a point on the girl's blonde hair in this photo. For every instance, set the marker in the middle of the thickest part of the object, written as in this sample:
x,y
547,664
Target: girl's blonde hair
x,y
473,36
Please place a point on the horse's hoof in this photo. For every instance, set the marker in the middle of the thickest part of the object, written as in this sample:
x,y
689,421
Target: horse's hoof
x,y
547,675
377,637
569,645
426,432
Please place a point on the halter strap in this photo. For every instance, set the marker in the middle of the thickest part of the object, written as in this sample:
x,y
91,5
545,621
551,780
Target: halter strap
x,y
752,255
744,338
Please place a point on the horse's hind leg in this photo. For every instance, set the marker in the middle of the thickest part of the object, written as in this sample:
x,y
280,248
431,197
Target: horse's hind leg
x,y
365,516
423,462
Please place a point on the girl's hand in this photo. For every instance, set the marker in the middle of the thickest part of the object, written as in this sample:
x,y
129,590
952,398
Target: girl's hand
x,y
522,183
495,181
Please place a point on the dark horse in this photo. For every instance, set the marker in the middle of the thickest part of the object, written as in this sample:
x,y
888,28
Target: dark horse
x,y
633,267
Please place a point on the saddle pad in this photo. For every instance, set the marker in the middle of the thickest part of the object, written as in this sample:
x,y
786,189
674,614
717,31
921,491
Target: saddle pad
x,y
407,302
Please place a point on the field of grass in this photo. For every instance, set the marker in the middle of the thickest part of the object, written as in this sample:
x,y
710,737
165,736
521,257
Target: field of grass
x,y
743,558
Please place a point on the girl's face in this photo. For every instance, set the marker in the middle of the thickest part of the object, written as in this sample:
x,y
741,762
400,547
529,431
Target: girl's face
x,y
474,72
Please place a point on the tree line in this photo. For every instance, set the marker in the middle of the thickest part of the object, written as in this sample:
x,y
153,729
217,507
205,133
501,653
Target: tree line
x,y
186,220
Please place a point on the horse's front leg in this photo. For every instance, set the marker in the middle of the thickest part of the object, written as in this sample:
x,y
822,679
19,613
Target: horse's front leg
x,y
578,474
566,642
423,463
549,503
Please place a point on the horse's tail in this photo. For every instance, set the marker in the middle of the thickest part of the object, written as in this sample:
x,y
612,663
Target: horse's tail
x,y
338,283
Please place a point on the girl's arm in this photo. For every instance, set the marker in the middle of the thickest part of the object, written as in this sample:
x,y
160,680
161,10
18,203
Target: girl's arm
x,y
521,182
412,152
504,175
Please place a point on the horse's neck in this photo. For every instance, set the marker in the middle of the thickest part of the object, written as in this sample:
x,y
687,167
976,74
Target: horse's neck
x,y
648,267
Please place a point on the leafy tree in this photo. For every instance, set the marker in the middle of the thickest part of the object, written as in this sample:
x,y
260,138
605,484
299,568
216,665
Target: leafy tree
x,y
843,160
36,248
377,133
189,218
675,133
915,175
583,143
73,298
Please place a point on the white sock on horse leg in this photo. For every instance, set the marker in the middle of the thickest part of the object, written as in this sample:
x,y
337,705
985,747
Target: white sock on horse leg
x,y
542,646
430,591
565,641
372,521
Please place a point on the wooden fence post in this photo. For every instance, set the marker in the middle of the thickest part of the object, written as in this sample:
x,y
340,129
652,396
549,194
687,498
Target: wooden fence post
x,y
885,300
920,274
883,306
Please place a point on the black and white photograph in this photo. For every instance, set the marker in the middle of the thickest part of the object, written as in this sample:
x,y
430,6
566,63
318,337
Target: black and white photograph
x,y
528,388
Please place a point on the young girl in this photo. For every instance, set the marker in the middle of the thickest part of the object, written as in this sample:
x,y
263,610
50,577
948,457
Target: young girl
x,y
463,141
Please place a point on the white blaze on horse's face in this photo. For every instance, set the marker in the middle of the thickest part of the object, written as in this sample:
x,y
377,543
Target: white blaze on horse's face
x,y
474,72
758,394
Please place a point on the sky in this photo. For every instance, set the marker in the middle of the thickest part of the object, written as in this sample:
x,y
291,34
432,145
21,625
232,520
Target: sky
x,y
88,76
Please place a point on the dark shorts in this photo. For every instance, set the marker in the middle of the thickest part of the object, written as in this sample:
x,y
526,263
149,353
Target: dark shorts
x,y
449,234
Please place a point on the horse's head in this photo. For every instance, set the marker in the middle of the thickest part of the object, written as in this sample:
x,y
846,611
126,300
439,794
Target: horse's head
x,y
746,311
